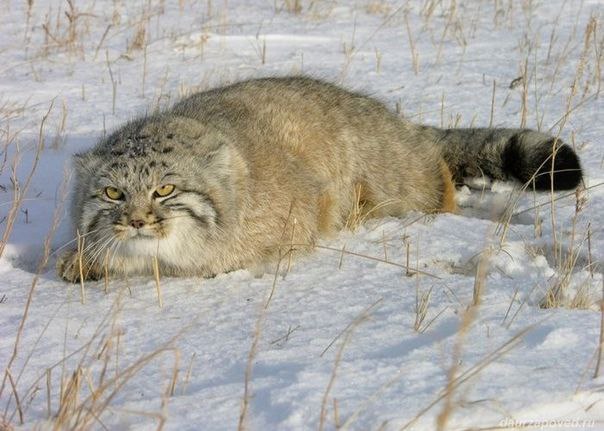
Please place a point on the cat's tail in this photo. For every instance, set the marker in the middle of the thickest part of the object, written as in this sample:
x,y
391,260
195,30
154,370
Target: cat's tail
x,y
533,158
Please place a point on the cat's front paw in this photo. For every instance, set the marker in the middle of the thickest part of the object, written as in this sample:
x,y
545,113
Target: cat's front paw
x,y
68,268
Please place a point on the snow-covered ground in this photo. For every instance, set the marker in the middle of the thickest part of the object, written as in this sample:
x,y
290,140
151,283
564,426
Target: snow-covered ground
x,y
342,342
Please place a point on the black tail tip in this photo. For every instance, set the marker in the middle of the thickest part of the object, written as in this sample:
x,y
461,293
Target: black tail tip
x,y
566,169
533,164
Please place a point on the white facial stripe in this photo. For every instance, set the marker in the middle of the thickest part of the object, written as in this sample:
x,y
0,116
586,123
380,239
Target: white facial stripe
x,y
191,204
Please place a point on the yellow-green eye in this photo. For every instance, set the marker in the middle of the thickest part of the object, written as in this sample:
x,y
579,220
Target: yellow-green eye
x,y
163,191
113,193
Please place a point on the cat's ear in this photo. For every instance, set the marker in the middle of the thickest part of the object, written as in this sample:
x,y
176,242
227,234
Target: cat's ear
x,y
83,164
219,155
224,157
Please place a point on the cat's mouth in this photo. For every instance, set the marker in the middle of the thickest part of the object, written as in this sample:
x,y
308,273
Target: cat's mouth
x,y
127,233
139,234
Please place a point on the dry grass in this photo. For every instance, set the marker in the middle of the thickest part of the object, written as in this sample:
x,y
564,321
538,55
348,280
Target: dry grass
x,y
290,6
377,7
565,256
347,335
362,211
600,355
468,318
422,306
65,31
79,411
285,252
139,39
412,48
88,386
21,328
84,397
456,379
20,190
558,294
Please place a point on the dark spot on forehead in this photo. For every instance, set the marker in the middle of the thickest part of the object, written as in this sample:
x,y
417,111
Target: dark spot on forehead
x,y
131,146
139,144
162,150
118,165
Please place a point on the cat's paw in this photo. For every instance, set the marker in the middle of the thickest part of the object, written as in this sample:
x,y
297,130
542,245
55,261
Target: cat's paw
x,y
68,268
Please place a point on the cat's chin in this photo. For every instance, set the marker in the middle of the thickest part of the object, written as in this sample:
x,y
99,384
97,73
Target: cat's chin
x,y
143,236
139,245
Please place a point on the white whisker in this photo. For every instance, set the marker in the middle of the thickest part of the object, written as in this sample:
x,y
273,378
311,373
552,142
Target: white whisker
x,y
74,240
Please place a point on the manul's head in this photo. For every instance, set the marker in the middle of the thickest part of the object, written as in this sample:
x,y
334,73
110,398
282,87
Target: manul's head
x,y
154,188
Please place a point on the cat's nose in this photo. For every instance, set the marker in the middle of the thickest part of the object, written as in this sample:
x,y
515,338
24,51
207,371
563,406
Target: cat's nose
x,y
137,224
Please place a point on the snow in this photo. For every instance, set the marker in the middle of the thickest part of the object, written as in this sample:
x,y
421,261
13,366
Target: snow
x,y
338,333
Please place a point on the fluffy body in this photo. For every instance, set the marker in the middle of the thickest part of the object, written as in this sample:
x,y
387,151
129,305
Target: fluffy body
x,y
264,163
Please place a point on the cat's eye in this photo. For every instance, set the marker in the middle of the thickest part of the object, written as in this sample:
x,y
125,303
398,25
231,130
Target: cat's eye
x,y
114,194
163,191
